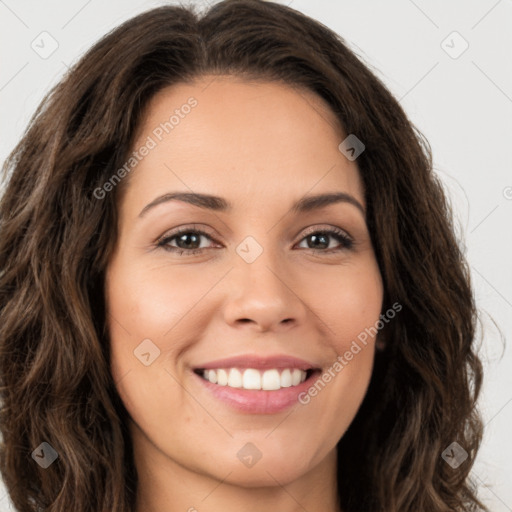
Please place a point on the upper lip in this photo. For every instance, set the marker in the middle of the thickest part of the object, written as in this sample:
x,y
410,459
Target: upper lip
x,y
279,361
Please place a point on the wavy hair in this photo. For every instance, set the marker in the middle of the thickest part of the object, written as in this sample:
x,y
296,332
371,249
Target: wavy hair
x,y
56,238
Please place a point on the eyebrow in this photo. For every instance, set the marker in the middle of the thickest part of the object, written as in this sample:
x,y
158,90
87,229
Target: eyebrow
x,y
215,203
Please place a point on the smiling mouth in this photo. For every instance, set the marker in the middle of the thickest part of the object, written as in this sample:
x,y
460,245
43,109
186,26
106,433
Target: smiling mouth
x,y
271,379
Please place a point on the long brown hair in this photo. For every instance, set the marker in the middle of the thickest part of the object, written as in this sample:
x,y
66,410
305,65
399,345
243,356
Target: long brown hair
x,y
56,238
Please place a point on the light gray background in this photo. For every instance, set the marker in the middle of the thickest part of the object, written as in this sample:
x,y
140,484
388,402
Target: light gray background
x,y
463,105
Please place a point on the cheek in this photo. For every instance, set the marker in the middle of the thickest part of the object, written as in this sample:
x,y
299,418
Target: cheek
x,y
350,303
149,302
146,309
155,310
351,307
151,299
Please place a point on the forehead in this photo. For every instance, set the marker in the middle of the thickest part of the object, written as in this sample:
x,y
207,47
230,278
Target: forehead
x,y
222,134
235,95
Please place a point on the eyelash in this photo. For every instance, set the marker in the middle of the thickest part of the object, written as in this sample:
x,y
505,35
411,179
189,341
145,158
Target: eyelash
x,y
341,236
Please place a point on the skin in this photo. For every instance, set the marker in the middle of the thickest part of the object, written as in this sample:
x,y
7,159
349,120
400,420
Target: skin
x,y
261,146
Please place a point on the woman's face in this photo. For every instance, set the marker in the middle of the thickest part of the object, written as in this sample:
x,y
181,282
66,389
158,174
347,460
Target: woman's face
x,y
263,286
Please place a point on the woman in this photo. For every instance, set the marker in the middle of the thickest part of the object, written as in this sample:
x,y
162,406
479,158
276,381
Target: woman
x,y
229,277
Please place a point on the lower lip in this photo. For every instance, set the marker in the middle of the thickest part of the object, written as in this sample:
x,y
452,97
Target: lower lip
x,y
258,401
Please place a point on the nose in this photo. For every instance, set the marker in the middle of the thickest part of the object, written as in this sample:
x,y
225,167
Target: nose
x,y
264,296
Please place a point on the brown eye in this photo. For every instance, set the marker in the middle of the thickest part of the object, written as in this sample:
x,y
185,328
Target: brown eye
x,y
183,241
188,240
320,240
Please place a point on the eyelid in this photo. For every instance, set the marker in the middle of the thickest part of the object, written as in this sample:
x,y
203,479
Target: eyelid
x,y
325,227
185,229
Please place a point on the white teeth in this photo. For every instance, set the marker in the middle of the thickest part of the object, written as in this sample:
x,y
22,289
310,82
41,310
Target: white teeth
x,y
235,378
297,377
268,380
251,379
222,377
286,379
271,380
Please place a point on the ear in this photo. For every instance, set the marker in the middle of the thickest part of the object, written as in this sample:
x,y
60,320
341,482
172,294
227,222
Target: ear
x,y
380,344
382,340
